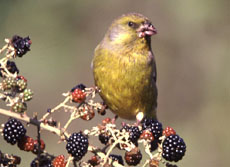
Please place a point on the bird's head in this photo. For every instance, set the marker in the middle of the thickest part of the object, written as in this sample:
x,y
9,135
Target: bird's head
x,y
129,28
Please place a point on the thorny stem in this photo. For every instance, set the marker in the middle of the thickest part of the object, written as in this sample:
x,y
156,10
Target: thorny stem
x,y
102,155
69,161
146,163
27,119
147,148
8,99
67,99
73,116
39,142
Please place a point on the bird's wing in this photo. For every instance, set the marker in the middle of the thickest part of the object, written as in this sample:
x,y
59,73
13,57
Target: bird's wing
x,y
154,71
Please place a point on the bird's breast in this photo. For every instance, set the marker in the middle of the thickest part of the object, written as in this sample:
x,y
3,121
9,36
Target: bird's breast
x,y
125,81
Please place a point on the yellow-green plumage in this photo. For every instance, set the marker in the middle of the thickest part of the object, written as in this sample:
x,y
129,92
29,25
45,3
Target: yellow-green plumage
x,y
124,69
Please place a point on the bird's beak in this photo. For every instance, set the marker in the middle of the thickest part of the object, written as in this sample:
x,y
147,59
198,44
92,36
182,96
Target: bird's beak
x,y
146,29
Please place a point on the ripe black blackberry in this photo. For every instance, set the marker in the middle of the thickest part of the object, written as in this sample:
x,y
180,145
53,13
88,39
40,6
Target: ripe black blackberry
x,y
11,67
77,145
154,145
94,160
117,158
13,131
154,126
22,45
134,133
173,148
79,86
44,162
104,138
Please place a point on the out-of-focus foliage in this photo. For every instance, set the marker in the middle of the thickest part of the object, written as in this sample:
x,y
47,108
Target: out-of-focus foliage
x,y
192,53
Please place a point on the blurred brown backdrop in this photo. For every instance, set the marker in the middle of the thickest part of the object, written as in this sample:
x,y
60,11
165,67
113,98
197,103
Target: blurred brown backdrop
x,y
192,52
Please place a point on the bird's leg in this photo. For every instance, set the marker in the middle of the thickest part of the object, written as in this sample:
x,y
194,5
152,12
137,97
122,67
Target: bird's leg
x,y
114,119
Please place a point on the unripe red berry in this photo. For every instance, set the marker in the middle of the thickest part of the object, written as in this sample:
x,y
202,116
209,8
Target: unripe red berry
x,y
26,143
59,161
147,135
78,96
169,131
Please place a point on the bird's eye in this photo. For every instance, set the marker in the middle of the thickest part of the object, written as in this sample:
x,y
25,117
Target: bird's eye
x,y
130,24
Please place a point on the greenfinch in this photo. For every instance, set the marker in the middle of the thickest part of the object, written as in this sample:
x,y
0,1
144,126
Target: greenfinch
x,y
124,68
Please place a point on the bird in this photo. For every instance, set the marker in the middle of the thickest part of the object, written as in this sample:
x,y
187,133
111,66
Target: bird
x,y
124,68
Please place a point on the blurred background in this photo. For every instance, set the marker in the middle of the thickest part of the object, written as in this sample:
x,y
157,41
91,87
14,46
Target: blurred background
x,y
192,50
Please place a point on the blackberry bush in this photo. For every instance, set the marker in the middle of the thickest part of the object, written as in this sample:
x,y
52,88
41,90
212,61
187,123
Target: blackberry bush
x,y
13,131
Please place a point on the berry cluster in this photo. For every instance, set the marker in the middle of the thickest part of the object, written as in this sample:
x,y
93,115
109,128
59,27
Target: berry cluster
x,y
17,85
77,145
14,132
46,161
22,45
155,127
